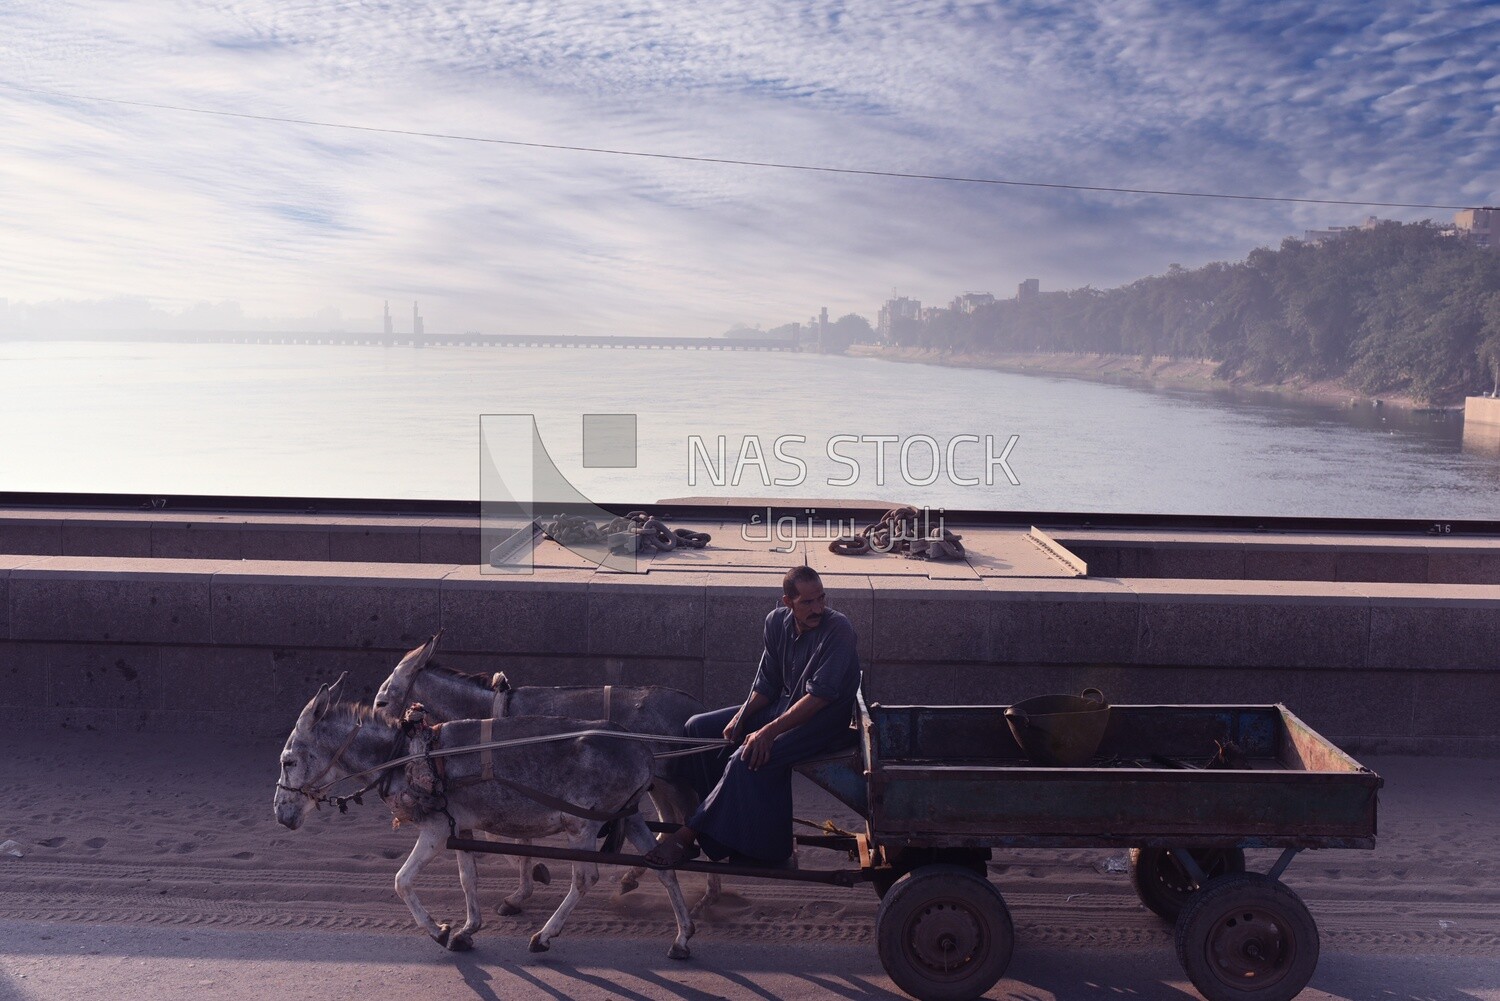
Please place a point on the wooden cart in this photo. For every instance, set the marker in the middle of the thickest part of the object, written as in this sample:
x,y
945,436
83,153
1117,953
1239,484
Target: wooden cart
x,y
942,787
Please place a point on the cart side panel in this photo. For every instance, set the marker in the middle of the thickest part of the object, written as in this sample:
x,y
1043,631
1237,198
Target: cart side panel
x,y
980,735
944,733
842,774
963,805
1191,733
953,775
1301,747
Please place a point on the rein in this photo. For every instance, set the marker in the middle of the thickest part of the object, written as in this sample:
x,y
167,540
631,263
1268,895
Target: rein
x,y
500,709
698,746
317,793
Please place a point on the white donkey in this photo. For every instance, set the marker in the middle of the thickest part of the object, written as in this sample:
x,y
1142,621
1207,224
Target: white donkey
x,y
597,775
448,694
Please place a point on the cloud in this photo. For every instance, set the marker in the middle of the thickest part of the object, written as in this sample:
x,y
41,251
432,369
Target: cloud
x,y
1340,100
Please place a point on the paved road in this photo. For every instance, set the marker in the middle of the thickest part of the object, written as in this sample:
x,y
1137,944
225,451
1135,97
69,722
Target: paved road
x,y
72,962
157,871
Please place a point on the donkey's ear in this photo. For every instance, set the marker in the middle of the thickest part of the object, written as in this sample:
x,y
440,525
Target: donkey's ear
x,y
327,697
318,707
416,659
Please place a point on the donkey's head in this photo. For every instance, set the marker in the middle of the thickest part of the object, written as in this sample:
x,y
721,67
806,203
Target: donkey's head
x,y
395,691
307,757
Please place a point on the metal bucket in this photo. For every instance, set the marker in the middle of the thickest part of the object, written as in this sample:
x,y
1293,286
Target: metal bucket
x,y
1060,731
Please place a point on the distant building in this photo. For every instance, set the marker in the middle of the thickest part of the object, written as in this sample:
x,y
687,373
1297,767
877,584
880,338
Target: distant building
x,y
970,301
416,320
1480,226
1338,232
900,318
390,325
1028,289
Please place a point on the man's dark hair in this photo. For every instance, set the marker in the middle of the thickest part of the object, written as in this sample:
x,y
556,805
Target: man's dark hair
x,y
796,577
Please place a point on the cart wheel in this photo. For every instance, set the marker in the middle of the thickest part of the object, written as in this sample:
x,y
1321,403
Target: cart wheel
x,y
975,860
944,934
1247,937
1164,885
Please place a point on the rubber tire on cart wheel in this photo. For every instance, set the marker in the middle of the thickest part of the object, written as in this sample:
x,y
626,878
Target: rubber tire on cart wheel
x,y
1247,937
944,934
907,859
1164,886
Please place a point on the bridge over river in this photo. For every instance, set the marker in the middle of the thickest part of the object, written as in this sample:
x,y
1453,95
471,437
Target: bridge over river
x,y
471,339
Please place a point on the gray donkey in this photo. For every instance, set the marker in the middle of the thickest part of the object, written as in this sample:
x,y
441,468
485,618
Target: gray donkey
x,y
596,774
448,694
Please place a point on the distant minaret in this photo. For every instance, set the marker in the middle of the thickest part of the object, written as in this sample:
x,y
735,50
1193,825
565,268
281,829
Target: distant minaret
x,y
416,320
390,325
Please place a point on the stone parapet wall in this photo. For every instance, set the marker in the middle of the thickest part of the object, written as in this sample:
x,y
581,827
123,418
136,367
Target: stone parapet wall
x,y
239,646
1307,556
241,536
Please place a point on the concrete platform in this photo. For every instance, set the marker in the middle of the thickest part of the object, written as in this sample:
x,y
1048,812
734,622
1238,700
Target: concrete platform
x,y
737,546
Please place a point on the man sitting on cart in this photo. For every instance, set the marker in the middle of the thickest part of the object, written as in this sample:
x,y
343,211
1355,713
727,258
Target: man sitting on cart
x,y
799,707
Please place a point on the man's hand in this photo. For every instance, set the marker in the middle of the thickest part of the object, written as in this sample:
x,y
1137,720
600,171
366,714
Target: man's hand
x,y
758,748
736,728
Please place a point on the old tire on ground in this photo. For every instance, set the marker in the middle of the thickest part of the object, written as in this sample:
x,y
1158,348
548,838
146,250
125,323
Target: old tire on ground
x,y
1247,937
944,934
1162,883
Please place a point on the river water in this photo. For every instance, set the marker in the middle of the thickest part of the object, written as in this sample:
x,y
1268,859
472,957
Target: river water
x,y
400,422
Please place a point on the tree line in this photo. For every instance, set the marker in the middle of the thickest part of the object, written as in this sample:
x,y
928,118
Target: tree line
x,y
1396,308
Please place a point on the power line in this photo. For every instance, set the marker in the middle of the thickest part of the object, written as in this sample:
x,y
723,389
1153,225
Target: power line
x,y
729,161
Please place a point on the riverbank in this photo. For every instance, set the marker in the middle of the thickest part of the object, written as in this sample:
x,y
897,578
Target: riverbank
x,y
1130,370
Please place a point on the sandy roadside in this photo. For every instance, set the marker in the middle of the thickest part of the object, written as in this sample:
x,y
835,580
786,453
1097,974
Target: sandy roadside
x,y
155,860
1132,371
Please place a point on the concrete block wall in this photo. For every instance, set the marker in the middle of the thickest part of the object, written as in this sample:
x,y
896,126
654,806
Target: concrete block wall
x,y
240,646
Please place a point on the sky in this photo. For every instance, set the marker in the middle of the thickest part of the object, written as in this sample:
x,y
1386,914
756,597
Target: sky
x,y
117,215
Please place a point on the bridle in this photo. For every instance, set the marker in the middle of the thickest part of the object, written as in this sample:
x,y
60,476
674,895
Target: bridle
x,y
315,792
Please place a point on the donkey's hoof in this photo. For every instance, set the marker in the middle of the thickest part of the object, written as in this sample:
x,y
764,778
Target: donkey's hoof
x,y
460,943
507,908
537,945
540,873
678,952
628,883
441,938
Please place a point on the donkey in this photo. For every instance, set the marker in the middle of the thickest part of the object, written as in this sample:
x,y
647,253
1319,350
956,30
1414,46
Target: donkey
x,y
598,775
448,694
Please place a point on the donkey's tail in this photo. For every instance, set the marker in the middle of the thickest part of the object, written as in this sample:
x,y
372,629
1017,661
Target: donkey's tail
x,y
613,836
613,831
